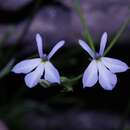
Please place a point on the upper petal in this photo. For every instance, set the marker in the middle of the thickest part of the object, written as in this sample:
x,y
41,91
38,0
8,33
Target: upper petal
x,y
103,43
90,75
114,65
85,46
56,48
107,79
39,45
51,73
33,78
26,66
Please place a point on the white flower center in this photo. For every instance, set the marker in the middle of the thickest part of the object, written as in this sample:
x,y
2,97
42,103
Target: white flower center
x,y
44,58
97,56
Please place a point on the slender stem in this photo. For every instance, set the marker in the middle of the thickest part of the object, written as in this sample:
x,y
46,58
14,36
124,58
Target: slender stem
x,y
76,78
84,24
117,36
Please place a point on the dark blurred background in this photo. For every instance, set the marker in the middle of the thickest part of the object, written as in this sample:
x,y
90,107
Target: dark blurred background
x,y
53,108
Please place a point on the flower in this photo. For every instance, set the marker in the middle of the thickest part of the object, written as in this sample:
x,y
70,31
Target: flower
x,y
35,68
101,68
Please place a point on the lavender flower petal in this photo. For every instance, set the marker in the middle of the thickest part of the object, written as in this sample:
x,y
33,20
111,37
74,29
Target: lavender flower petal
x,y
33,78
26,66
114,65
103,43
85,46
107,79
51,73
56,48
90,75
39,45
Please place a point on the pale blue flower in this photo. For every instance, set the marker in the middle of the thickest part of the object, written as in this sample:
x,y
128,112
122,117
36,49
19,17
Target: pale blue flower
x,y
38,67
101,68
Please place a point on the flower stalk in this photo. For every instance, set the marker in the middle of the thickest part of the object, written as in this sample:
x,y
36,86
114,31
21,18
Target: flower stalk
x,y
117,36
83,20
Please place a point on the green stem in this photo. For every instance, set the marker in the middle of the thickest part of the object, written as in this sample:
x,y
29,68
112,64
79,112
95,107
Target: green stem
x,y
76,78
121,30
84,23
